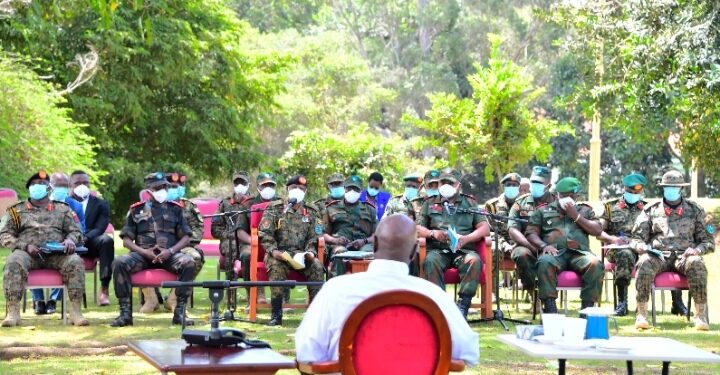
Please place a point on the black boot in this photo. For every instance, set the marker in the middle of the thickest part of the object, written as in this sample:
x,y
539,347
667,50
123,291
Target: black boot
x,y
464,305
40,308
549,306
678,307
585,304
179,313
622,305
51,306
125,318
277,311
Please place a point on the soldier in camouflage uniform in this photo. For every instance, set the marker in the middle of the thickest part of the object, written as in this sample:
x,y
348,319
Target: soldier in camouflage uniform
x,y
524,254
431,183
618,219
336,191
294,230
24,229
675,229
409,204
560,230
155,231
435,220
501,206
349,224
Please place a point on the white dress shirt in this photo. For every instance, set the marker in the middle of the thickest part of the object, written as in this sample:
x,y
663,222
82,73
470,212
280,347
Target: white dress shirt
x,y
318,336
84,204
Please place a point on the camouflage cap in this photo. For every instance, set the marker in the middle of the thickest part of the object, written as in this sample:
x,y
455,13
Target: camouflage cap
x,y
432,176
511,177
155,179
451,174
540,174
634,181
264,178
39,175
568,185
241,175
673,178
335,177
354,181
414,177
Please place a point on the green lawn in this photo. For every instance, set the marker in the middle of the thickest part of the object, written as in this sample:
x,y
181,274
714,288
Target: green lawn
x,y
42,345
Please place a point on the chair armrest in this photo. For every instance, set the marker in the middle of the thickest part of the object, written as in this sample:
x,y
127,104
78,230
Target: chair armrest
x,y
254,249
457,365
321,250
327,367
422,254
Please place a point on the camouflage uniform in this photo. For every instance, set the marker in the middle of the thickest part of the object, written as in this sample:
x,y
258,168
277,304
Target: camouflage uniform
x,y
433,216
351,221
526,259
618,219
26,224
573,245
399,205
321,203
220,228
195,221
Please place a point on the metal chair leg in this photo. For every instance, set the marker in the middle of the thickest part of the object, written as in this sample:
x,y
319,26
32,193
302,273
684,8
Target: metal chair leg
x,y
652,291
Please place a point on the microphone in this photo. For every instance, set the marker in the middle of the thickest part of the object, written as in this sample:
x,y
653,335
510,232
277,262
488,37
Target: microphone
x,y
291,202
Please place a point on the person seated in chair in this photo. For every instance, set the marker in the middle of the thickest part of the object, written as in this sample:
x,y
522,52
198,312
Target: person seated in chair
x,y
318,335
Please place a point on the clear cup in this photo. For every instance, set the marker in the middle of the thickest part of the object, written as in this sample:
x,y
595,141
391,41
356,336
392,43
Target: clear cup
x,y
574,329
553,325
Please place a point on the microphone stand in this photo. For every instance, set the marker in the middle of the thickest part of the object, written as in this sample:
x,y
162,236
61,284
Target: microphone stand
x,y
495,222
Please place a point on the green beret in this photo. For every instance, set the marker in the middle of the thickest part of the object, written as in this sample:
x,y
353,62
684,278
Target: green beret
x,y
155,179
634,181
414,177
568,185
540,174
511,177
354,181
432,176
263,178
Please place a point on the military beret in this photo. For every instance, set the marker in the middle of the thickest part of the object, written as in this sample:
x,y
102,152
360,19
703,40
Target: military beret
x,y
511,177
673,178
241,175
568,185
297,180
40,175
175,178
451,174
432,176
155,179
335,177
413,177
540,174
263,178
354,181
634,181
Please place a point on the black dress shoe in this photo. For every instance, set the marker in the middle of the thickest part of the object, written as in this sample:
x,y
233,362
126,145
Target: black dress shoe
x,y
40,308
51,307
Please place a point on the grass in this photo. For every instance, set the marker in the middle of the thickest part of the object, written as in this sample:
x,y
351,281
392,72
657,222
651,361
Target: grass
x,y
42,345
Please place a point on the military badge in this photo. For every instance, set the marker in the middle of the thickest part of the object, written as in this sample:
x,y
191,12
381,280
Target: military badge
x,y
318,229
265,224
710,229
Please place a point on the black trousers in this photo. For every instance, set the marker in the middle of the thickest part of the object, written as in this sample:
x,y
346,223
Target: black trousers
x,y
103,247
125,265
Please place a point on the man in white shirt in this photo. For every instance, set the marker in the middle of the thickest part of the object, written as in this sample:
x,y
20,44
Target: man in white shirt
x,y
395,245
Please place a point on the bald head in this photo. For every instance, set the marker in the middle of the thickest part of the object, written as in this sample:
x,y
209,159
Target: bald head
x,y
59,179
395,238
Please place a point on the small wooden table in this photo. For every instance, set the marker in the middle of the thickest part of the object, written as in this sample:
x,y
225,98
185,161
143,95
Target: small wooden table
x,y
176,356
359,265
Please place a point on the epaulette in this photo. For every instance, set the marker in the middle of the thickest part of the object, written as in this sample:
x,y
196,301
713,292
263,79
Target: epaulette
x,y
492,200
694,204
277,202
468,196
521,196
368,203
188,201
328,204
650,207
14,215
57,201
136,204
175,203
398,196
611,200
312,206
418,198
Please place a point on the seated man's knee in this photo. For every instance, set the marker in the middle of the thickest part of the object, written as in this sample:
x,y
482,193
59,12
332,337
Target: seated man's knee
x,y
473,261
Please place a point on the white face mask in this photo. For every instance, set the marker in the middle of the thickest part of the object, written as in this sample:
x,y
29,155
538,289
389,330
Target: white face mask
x,y
160,195
566,201
352,196
240,189
82,191
267,193
296,193
448,191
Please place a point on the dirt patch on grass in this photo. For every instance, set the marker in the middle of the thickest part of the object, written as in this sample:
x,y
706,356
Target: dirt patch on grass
x,y
34,352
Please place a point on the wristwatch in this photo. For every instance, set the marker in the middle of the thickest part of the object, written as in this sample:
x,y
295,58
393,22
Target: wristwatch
x,y
432,234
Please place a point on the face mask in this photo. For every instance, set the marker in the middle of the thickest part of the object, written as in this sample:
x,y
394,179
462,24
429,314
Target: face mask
x,y
447,191
352,196
160,195
337,192
296,193
432,192
537,189
511,192
181,191
60,193
632,198
37,191
671,193
562,202
82,191
372,191
172,194
240,189
411,193
267,193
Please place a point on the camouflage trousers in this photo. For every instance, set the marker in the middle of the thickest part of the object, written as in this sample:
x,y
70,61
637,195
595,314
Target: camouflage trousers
x,y
624,260
19,263
586,264
338,266
693,267
231,253
124,266
197,256
278,270
526,265
468,264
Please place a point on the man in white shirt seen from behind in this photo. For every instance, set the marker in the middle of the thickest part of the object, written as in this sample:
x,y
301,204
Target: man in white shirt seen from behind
x,y
395,245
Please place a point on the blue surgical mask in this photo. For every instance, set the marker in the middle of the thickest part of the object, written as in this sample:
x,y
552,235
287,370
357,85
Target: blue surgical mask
x,y
181,191
60,193
372,191
511,192
631,198
537,189
37,191
432,192
411,193
173,194
337,192
671,193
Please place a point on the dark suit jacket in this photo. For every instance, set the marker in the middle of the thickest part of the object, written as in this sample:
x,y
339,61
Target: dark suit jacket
x,y
97,217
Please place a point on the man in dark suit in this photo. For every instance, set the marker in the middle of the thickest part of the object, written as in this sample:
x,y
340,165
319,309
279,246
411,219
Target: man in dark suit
x,y
97,218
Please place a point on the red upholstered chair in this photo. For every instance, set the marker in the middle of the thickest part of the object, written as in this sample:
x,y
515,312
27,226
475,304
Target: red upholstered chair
x,y
150,278
8,197
91,265
452,276
209,245
46,278
394,332
258,272
566,280
670,281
